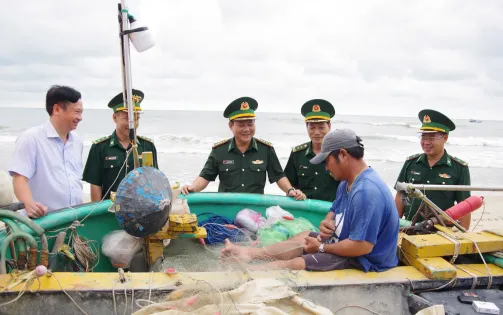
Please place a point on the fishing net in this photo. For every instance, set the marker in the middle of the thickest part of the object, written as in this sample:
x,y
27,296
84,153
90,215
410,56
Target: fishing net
x,y
143,201
261,296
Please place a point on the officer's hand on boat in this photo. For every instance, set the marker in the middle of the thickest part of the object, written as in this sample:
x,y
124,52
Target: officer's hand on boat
x,y
186,189
297,194
35,209
327,229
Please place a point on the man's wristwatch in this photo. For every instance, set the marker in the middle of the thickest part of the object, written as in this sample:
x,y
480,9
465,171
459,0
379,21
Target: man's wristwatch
x,y
290,189
321,249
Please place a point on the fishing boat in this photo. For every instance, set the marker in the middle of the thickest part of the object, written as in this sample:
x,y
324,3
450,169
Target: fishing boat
x,y
475,121
425,264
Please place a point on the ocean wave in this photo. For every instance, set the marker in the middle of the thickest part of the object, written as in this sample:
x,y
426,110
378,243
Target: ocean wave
x,y
187,139
466,141
402,124
184,151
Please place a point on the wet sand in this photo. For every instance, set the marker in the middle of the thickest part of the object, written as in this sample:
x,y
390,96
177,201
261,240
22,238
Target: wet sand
x,y
490,215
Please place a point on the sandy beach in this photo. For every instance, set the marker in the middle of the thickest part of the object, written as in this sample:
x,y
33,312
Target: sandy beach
x,y
490,215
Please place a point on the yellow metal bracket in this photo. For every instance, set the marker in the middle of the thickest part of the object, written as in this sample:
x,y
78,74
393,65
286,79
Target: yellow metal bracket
x,y
435,245
179,226
435,268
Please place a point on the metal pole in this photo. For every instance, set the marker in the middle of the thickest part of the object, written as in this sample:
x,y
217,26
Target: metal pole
x,y
127,81
127,65
423,187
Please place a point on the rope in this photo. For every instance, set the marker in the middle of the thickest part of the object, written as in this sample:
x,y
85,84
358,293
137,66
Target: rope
x,y
219,228
475,282
456,244
480,219
356,306
490,280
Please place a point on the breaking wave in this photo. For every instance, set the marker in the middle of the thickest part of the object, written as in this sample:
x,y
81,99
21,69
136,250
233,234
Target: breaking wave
x,y
467,141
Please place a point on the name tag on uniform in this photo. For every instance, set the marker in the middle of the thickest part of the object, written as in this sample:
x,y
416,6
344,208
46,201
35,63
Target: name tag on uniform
x,y
415,173
304,167
110,158
228,162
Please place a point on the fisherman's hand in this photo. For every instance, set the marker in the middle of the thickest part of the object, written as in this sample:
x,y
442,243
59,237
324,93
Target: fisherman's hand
x,y
327,229
35,209
186,189
311,245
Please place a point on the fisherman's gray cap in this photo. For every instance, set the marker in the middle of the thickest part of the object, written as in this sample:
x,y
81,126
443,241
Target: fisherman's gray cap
x,y
336,140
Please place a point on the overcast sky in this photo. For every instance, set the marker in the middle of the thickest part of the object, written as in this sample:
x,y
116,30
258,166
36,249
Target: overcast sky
x,y
366,57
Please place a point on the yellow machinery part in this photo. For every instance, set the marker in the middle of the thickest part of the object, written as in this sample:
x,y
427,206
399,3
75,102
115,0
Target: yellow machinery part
x,y
435,245
179,226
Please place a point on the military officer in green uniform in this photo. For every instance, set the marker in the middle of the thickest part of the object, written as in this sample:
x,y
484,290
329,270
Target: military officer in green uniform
x,y
108,154
241,162
312,179
435,166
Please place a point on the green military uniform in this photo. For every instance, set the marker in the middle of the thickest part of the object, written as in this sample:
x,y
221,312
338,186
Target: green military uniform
x,y
237,171
312,179
449,170
107,155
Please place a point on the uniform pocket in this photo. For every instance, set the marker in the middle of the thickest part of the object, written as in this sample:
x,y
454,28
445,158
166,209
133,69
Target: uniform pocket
x,y
305,176
225,168
414,177
258,168
445,179
111,164
257,173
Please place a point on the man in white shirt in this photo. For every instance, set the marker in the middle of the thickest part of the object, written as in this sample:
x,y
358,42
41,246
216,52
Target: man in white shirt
x,y
47,162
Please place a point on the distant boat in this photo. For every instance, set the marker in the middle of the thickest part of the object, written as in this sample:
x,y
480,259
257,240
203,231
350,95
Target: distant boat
x,y
475,121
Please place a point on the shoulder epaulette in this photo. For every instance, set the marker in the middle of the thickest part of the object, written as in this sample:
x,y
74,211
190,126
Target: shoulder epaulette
x,y
146,139
264,142
100,140
413,156
300,147
460,161
219,143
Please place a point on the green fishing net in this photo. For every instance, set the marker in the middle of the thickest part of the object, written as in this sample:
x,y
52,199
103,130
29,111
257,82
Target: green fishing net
x,y
283,230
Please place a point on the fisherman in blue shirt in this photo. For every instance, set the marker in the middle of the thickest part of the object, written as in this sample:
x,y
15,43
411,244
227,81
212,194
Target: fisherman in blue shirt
x,y
359,232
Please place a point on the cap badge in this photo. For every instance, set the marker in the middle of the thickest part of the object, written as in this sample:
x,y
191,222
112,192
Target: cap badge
x,y
426,119
316,108
245,106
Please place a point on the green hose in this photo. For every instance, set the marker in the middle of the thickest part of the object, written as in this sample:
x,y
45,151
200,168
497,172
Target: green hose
x,y
494,260
5,244
28,222
14,227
